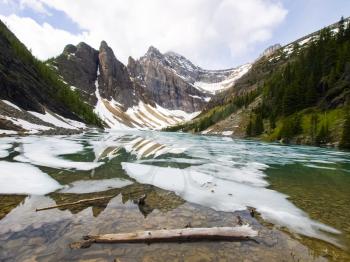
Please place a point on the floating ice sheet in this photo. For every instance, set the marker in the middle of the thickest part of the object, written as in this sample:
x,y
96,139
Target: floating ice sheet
x,y
225,193
4,150
47,151
19,178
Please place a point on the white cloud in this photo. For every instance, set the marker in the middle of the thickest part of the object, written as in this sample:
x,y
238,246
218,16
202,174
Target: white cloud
x,y
35,5
212,33
44,40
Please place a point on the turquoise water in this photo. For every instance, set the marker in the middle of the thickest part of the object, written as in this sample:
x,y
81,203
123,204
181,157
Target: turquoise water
x,y
300,190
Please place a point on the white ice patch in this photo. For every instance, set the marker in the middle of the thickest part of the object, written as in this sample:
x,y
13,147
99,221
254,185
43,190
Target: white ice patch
x,y
230,191
19,178
47,151
4,150
92,186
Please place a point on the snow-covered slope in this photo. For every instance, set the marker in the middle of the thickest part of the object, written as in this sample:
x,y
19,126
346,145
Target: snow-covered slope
x,y
156,91
207,81
216,87
141,116
301,43
18,120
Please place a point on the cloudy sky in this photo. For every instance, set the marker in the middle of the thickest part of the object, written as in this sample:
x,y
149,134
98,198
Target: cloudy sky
x,y
212,33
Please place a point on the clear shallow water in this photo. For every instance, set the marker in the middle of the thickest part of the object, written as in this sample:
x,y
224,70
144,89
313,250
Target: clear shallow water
x,y
292,187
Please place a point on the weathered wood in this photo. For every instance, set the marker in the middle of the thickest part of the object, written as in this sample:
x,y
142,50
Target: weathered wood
x,y
74,203
187,234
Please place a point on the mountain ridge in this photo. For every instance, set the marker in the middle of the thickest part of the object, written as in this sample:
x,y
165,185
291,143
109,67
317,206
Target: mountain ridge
x,y
297,93
162,85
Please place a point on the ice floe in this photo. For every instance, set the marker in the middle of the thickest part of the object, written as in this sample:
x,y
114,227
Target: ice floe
x,y
48,151
4,150
20,178
228,195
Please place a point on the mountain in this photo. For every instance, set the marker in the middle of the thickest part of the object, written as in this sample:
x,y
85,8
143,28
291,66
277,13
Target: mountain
x,y
32,98
297,93
87,86
153,92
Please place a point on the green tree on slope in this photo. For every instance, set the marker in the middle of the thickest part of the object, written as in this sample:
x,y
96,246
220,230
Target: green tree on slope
x,y
345,140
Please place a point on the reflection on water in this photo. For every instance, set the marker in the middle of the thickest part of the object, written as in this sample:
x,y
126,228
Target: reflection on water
x,y
155,180
324,194
151,199
9,202
45,236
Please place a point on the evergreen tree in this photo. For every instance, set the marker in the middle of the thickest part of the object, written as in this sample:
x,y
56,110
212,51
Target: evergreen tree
x,y
313,126
291,127
345,140
272,122
249,129
341,32
323,136
258,125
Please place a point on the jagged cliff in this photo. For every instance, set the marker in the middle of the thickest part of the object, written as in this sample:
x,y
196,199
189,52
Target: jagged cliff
x,y
152,92
166,85
155,91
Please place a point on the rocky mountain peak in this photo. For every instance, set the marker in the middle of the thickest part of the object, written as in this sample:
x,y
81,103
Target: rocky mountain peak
x,y
103,44
77,65
70,49
114,81
153,53
270,50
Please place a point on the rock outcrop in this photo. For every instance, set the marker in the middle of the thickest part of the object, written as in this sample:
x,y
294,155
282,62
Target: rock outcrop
x,y
166,85
270,50
114,80
78,66
168,80
143,94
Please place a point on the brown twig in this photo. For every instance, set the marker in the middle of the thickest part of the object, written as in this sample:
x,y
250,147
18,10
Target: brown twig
x,y
74,203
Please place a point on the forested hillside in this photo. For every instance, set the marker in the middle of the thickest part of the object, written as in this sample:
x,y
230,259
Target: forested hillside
x,y
30,84
301,94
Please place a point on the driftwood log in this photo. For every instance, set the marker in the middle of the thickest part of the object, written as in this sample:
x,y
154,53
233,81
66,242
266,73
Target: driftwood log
x,y
244,232
74,203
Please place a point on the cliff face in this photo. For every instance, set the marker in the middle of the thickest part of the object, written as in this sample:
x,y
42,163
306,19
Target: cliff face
x,y
164,84
161,85
78,66
114,81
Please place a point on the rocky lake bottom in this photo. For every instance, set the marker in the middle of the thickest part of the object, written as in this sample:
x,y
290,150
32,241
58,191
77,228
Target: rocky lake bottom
x,y
296,197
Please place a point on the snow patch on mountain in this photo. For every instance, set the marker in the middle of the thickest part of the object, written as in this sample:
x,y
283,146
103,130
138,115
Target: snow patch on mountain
x,y
216,87
11,104
58,121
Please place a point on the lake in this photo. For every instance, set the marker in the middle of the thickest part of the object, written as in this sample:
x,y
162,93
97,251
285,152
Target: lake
x,y
297,197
